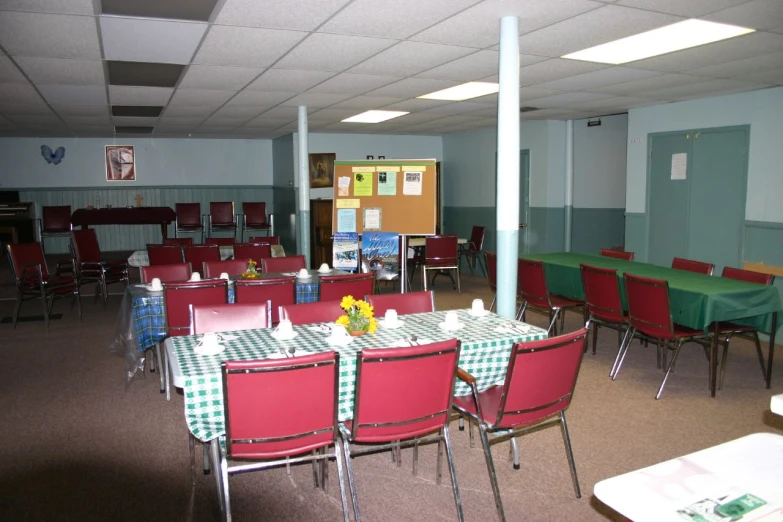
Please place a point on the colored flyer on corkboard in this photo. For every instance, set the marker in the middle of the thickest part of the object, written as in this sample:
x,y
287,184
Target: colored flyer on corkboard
x,y
387,183
362,184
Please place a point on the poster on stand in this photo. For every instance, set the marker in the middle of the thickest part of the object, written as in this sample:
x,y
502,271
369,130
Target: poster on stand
x,y
345,251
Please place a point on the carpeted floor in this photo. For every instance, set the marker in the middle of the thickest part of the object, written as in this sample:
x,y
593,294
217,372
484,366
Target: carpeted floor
x,y
75,445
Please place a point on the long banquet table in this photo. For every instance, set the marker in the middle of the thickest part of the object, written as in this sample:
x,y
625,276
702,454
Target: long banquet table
x,y
486,346
125,216
697,301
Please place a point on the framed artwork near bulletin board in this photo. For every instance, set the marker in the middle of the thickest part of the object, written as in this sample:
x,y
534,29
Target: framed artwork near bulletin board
x,y
322,169
120,163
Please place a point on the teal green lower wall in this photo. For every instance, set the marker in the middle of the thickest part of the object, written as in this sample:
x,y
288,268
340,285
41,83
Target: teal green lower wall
x,y
285,216
460,221
135,237
636,234
763,244
595,228
546,230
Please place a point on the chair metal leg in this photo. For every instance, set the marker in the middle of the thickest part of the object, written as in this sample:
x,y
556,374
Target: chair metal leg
x,y
492,304
192,451
415,469
514,452
160,369
205,458
621,352
759,354
166,376
491,470
439,464
452,472
569,454
351,481
671,365
723,361
338,457
222,479
470,435
595,336
459,288
17,308
45,309
314,463
552,330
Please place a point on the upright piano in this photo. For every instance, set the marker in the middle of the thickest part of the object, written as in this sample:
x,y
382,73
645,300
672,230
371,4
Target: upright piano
x,y
16,219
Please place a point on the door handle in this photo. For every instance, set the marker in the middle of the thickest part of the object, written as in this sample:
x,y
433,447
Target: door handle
x,y
523,225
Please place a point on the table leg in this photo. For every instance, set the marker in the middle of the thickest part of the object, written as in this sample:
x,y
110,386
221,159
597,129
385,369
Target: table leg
x,y
164,230
771,348
714,359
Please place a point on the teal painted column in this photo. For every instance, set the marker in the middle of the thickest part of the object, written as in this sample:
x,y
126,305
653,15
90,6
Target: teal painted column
x,y
303,206
569,183
507,190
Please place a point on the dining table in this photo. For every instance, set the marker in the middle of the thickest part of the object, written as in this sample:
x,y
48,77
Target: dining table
x,y
697,301
84,217
140,258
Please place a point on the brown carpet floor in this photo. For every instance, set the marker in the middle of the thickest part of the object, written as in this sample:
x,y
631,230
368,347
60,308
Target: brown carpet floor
x,y
76,445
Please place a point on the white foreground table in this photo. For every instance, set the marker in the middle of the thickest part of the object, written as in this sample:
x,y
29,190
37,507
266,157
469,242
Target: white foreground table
x,y
705,486
776,404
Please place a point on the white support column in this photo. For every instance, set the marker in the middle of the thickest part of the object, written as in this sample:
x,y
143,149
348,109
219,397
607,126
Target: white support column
x,y
303,207
507,190
569,183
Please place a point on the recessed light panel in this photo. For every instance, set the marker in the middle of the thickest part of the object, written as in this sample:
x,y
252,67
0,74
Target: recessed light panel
x,y
133,130
141,111
374,116
675,37
173,9
144,73
465,91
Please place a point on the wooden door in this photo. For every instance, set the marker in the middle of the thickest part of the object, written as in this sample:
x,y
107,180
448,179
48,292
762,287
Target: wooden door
x,y
321,232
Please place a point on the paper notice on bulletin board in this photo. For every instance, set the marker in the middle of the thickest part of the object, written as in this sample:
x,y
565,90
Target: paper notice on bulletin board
x,y
343,184
679,165
372,219
362,184
346,220
411,185
387,183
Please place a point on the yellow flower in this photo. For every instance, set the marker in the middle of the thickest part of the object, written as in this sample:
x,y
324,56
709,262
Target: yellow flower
x,y
373,325
347,302
343,320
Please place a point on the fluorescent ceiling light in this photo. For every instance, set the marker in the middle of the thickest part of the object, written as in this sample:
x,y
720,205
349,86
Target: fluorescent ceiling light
x,y
675,37
374,116
465,91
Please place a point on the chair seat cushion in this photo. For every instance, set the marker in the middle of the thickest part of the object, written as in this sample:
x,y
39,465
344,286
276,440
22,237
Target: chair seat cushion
x,y
684,331
182,226
564,302
489,400
734,328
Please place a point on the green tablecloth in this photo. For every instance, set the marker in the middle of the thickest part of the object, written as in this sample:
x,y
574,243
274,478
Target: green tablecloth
x,y
696,300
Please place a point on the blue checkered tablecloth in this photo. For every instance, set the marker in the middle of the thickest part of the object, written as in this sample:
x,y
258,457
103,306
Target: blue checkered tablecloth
x,y
486,345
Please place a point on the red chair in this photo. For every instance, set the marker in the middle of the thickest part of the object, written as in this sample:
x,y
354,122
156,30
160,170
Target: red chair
x,y
179,296
164,254
55,222
440,254
617,254
649,314
170,241
220,241
189,219
403,398
254,218
309,313
90,266
272,240
408,303
229,317
539,384
265,424
273,265
338,286
33,281
222,218
473,249
532,290
603,304
279,290
256,251
166,273
728,330
233,267
491,260
196,255
693,266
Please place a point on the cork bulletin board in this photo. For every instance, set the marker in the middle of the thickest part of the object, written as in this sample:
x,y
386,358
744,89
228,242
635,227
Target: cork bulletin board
x,y
385,196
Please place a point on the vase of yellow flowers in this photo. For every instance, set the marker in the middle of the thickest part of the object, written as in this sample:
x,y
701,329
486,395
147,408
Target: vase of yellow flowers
x,y
251,272
358,318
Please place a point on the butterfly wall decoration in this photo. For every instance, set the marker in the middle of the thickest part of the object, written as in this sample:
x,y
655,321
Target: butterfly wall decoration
x,y
52,157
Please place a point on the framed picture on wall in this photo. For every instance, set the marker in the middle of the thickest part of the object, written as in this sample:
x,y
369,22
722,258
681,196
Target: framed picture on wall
x,y
120,163
322,169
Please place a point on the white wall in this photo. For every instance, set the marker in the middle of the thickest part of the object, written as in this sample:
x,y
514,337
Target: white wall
x,y
159,162
762,110
600,162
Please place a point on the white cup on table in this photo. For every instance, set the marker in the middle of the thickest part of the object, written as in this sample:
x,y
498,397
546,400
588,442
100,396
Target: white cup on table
x,y
303,273
338,331
324,268
477,306
209,340
195,276
285,328
224,275
452,320
156,284
390,318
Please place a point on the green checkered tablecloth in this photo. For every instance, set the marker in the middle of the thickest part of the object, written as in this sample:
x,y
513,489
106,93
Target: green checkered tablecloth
x,y
486,345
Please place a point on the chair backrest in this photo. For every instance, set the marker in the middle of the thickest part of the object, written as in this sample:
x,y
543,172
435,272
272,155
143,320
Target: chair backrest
x,y
169,241
197,254
220,241
477,235
280,407
308,313
617,254
255,213
441,250
648,305
690,265
279,290
56,219
25,254
85,246
422,378
408,303
164,254
229,317
271,265
338,286
602,293
531,282
188,214
222,212
491,260
540,380
748,276
179,296
232,267
256,251
272,240
166,273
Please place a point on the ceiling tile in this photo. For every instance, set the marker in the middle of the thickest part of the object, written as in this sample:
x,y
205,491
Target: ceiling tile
x,y
49,35
134,122
353,84
598,78
410,58
158,41
74,94
180,121
288,80
284,112
87,121
302,15
454,108
767,68
414,105
10,73
262,98
392,18
218,78
226,121
412,87
599,26
703,89
468,68
37,119
246,47
133,129
38,107
188,10
532,93
615,103
131,95
366,102
332,52
144,74
758,14
200,97
189,110
331,115
648,84
18,93
77,7
569,98
691,8
555,69
479,25
315,99
267,122
82,110
236,111
54,71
